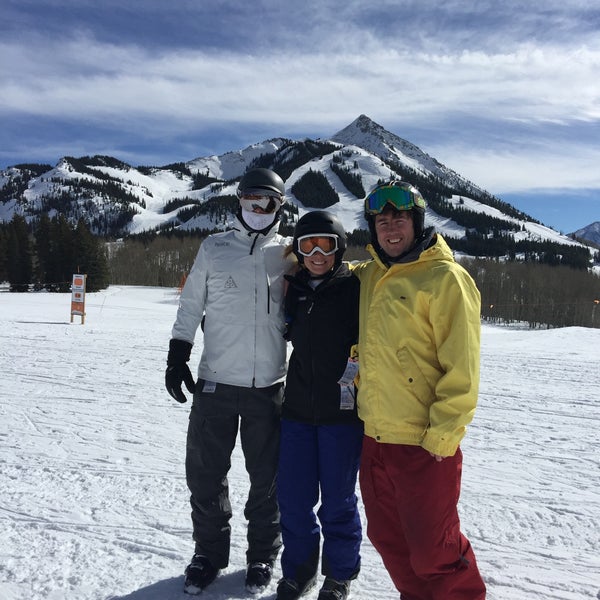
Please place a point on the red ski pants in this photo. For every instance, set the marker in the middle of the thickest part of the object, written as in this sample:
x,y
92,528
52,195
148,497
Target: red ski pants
x,y
412,520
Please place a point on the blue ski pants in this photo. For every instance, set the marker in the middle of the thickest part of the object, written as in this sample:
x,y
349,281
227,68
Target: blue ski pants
x,y
319,461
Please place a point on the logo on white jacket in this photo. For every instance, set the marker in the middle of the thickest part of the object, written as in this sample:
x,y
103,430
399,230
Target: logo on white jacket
x,y
230,283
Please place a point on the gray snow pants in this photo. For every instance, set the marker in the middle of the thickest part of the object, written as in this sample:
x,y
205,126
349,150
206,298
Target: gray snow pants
x,y
214,421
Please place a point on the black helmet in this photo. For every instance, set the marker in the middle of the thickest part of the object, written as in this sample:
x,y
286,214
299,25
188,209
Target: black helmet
x,y
401,196
260,188
316,222
261,179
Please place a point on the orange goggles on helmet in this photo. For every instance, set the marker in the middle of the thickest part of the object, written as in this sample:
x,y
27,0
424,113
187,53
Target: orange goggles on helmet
x,y
325,243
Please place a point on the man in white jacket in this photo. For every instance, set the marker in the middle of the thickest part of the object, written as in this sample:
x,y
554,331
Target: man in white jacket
x,y
236,290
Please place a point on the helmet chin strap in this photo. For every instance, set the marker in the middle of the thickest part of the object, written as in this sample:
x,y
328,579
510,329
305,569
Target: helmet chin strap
x,y
258,221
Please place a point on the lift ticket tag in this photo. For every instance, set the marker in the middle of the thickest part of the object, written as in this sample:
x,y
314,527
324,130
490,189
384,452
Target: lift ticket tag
x,y
346,381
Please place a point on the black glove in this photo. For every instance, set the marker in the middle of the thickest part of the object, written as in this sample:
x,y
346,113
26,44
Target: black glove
x,y
177,370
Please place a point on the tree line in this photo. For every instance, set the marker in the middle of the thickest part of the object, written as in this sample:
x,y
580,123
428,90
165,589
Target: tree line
x,y
47,258
540,295
512,292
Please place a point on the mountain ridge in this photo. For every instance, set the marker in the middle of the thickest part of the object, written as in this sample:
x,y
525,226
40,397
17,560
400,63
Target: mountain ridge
x,y
116,199
589,233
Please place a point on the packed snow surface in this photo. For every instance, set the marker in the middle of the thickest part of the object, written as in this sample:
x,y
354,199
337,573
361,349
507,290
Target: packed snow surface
x,y
94,504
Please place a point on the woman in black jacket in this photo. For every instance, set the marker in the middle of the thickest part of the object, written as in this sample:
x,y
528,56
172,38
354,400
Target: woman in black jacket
x,y
321,435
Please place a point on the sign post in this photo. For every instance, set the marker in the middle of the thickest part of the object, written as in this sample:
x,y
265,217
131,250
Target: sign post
x,y
78,297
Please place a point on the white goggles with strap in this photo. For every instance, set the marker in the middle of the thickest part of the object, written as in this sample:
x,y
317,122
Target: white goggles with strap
x,y
325,243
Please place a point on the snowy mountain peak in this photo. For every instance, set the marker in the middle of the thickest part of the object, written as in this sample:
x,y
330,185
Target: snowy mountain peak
x,y
590,233
232,165
365,133
374,138
335,173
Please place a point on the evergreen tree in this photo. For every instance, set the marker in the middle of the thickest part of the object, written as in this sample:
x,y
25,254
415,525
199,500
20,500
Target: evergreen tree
x,y
314,191
89,258
3,253
42,249
60,272
19,255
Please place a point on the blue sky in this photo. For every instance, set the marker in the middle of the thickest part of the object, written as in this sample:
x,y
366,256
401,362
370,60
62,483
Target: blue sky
x,y
506,94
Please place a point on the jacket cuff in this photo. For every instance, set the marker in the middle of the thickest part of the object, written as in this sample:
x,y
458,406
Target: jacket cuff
x,y
179,352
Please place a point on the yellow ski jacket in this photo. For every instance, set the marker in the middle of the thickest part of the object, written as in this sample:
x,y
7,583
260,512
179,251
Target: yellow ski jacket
x,y
418,349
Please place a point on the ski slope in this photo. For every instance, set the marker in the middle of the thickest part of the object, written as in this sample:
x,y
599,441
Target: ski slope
x,y
94,504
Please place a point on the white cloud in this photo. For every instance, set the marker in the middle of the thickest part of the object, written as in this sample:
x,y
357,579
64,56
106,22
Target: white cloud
x,y
524,168
86,78
494,86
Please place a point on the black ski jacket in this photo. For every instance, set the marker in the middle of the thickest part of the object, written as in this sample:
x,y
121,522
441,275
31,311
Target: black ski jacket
x,y
322,326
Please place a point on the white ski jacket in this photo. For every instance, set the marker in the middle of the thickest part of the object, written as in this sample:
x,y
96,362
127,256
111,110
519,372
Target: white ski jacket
x,y
237,286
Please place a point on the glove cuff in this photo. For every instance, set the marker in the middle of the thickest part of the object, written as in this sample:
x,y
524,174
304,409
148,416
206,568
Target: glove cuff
x,y
179,352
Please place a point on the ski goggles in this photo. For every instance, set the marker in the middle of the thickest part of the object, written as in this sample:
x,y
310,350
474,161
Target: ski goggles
x,y
399,196
261,201
325,243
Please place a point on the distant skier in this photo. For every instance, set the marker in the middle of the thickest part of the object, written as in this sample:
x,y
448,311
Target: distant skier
x,y
236,289
419,375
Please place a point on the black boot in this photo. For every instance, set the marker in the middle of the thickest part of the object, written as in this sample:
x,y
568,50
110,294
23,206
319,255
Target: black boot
x,y
199,574
288,589
334,590
258,576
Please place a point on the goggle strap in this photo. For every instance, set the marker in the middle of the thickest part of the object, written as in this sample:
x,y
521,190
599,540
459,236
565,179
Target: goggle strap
x,y
317,249
259,192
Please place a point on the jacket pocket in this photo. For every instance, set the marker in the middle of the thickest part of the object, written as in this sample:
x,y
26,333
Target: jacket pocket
x,y
413,378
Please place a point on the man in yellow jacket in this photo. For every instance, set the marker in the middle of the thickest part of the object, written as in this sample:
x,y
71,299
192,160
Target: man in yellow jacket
x,y
419,375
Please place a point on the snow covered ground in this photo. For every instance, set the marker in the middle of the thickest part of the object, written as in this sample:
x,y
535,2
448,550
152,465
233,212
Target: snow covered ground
x,y
93,501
